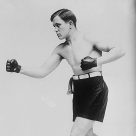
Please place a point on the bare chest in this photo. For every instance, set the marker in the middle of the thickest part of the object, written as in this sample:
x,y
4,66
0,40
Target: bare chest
x,y
74,53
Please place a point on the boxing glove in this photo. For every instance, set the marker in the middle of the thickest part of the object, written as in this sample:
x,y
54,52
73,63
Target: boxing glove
x,y
88,63
13,66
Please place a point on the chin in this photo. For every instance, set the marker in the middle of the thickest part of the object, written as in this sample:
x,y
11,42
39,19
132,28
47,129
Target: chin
x,y
61,38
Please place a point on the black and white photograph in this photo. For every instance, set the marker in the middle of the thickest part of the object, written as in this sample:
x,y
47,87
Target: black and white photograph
x,y
67,67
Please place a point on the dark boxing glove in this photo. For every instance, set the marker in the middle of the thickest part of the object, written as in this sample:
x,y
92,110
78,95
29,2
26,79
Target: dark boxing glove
x,y
12,66
88,63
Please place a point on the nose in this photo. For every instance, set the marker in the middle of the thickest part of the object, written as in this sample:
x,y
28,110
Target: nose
x,y
55,29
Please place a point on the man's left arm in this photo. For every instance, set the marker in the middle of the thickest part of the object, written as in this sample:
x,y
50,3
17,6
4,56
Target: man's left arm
x,y
113,53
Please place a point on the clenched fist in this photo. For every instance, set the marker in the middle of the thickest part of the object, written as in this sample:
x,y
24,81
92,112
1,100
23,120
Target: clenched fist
x,y
13,66
88,63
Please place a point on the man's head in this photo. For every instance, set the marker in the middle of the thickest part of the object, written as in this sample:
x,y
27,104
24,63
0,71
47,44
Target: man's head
x,y
63,20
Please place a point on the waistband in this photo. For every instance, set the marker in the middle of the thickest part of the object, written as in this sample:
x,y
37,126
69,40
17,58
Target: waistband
x,y
88,75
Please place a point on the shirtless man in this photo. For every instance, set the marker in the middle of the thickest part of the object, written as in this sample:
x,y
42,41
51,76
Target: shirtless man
x,y
85,57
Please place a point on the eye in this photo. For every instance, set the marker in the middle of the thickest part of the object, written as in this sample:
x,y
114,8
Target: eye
x,y
58,25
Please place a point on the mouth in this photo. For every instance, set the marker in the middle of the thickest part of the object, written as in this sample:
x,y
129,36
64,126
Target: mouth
x,y
59,35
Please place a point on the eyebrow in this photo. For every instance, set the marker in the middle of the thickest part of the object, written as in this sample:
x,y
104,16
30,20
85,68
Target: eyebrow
x,y
56,24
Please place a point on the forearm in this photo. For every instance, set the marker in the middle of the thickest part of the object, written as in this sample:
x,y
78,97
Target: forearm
x,y
36,72
112,55
33,72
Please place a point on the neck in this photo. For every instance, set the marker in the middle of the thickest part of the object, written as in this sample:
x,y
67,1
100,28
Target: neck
x,y
73,34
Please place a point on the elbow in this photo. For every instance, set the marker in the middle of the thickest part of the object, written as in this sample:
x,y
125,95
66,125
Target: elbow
x,y
41,74
122,52
119,51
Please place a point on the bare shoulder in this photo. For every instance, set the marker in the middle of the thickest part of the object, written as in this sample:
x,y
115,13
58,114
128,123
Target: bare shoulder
x,y
89,39
59,49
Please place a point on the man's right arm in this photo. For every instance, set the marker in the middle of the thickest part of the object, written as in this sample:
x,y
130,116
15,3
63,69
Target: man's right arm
x,y
39,72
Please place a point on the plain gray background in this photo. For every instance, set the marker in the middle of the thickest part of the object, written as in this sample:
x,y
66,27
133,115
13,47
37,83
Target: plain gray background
x,y
39,107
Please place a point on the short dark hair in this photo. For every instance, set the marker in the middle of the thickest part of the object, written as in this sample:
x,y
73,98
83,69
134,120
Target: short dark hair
x,y
65,14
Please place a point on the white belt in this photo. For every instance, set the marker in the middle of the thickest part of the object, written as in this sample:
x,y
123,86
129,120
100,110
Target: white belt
x,y
88,75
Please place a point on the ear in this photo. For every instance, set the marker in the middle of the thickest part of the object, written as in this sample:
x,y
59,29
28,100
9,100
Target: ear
x,y
71,22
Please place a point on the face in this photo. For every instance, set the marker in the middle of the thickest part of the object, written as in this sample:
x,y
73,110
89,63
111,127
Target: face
x,y
61,28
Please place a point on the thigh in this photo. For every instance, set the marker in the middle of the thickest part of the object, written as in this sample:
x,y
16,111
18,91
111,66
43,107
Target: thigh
x,y
81,126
